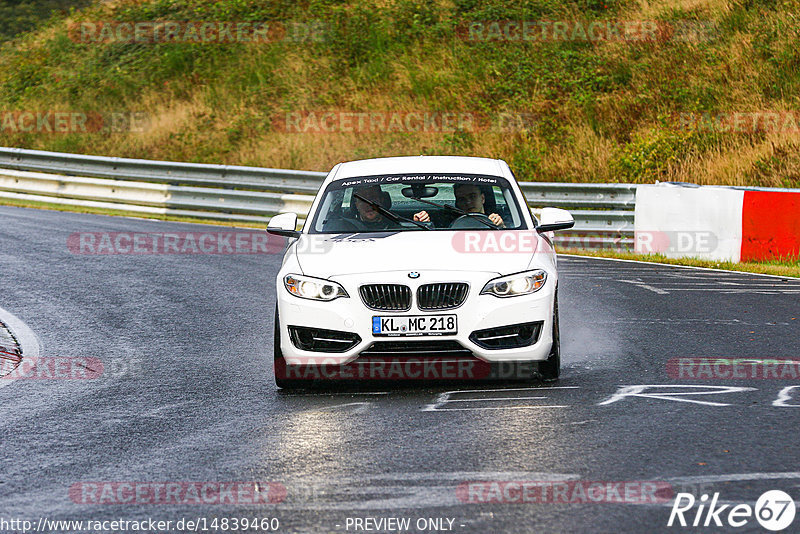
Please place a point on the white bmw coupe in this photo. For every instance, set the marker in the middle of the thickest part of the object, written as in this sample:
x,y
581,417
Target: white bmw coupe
x,y
416,259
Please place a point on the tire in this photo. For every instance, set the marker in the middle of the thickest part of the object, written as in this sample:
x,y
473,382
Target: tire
x,y
551,367
279,364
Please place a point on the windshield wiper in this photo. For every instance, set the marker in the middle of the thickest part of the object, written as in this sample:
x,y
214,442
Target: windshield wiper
x,y
459,211
393,216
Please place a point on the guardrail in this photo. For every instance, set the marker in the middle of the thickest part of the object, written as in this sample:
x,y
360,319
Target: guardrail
x,y
603,212
163,172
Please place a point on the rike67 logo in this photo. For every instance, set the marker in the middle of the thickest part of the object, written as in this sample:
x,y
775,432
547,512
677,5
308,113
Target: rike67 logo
x,y
774,511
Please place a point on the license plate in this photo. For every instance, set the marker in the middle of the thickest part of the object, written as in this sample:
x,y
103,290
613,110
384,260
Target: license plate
x,y
414,325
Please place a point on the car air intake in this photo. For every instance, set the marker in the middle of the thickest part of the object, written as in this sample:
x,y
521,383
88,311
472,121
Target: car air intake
x,y
507,337
321,340
444,296
389,297
416,349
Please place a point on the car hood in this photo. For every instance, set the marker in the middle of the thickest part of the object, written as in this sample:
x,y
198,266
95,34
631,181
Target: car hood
x,y
501,252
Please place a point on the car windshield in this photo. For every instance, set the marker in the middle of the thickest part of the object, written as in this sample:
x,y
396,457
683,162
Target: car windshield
x,y
417,202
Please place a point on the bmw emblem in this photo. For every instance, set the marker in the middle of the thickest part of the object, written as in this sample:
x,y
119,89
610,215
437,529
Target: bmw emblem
x,y
413,274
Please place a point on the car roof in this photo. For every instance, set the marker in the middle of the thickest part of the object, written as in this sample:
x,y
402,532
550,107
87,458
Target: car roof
x,y
420,164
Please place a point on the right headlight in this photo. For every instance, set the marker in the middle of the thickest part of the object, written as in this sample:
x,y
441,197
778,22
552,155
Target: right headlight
x,y
307,287
515,285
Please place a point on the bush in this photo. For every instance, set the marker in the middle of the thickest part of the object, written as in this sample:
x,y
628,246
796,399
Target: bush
x,y
647,157
19,16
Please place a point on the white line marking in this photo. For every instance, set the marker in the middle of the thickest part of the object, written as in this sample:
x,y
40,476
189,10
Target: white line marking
x,y
438,476
639,262
645,286
404,490
735,477
509,389
28,342
784,396
639,391
654,289
732,291
436,489
670,320
524,407
723,285
445,398
496,399
344,394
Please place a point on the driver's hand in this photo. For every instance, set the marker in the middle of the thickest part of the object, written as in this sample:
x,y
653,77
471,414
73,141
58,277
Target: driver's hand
x,y
496,219
422,217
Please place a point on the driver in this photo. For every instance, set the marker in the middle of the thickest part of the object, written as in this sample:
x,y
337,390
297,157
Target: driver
x,y
469,198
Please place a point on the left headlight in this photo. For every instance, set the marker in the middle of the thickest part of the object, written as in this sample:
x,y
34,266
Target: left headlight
x,y
514,285
313,288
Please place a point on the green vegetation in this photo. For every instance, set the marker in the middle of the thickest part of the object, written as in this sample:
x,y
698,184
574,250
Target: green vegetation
x,y
603,110
19,16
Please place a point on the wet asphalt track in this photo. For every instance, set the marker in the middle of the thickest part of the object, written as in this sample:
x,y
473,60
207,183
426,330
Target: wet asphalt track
x,y
186,394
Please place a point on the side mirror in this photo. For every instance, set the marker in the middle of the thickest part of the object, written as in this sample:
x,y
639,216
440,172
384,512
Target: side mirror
x,y
284,225
553,219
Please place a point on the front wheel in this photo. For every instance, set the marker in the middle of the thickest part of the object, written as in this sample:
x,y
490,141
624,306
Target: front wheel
x,y
279,365
551,367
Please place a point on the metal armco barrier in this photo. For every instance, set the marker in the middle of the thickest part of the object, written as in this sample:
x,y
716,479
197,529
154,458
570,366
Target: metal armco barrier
x,y
603,212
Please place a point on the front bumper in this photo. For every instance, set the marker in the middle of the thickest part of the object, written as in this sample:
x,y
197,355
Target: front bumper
x,y
478,312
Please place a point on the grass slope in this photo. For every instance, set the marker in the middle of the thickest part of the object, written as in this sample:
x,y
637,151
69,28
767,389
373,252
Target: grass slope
x,y
604,111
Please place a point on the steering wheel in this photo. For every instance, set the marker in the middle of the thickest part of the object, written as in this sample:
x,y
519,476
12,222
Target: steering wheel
x,y
472,222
